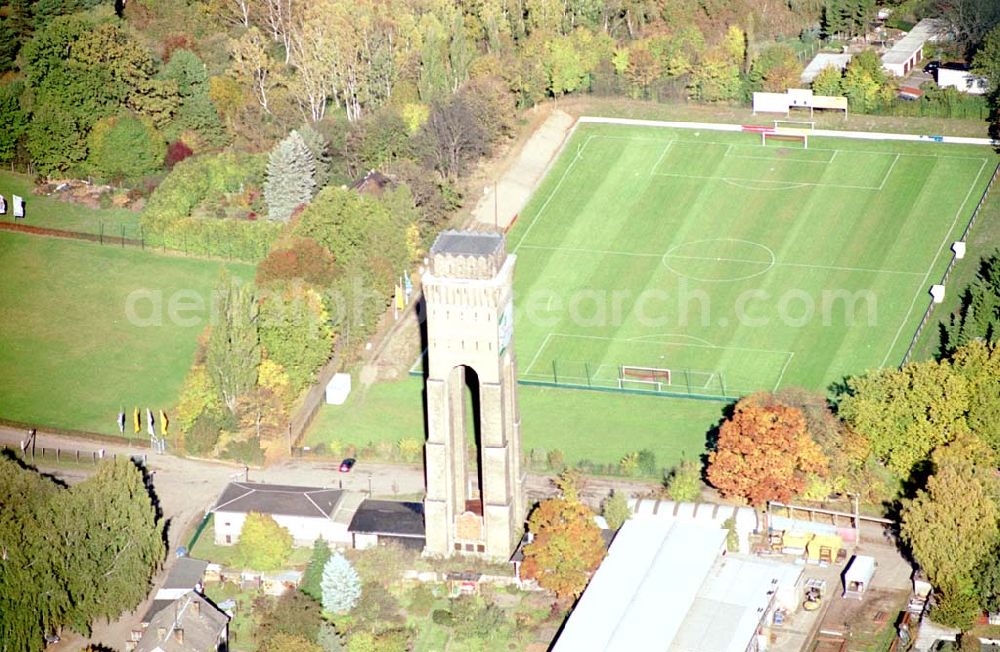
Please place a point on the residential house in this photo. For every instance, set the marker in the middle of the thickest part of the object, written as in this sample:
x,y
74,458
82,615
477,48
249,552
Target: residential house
x,y
190,624
308,513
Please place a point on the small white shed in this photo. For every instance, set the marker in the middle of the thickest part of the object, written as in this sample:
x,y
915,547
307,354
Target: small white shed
x,y
858,576
338,389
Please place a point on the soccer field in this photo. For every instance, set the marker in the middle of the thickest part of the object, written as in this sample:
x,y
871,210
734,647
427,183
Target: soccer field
x,y
703,262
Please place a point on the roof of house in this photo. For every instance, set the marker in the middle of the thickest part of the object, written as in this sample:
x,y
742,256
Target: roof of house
x,y
184,574
374,182
914,40
389,517
199,621
278,500
821,61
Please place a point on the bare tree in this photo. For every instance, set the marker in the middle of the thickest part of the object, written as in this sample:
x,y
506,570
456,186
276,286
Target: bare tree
x,y
453,138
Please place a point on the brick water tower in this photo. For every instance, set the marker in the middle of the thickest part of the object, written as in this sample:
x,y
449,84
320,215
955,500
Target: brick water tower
x,y
470,326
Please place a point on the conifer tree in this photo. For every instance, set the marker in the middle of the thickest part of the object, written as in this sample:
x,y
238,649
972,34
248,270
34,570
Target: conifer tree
x,y
319,147
291,177
341,585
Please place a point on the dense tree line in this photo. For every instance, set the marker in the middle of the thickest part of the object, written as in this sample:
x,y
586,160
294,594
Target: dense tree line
x,y
71,555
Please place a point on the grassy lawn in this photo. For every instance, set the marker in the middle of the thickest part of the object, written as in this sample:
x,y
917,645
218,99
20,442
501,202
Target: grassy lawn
x,y
205,548
72,356
984,240
734,266
241,627
598,426
51,213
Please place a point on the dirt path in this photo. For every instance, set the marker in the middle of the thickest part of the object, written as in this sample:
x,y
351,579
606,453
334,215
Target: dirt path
x,y
501,201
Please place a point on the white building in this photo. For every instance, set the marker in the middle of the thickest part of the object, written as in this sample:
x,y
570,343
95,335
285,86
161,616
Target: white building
x,y
822,61
908,52
309,513
957,76
669,585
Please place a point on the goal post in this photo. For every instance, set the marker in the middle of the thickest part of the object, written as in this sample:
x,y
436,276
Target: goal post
x,y
786,135
655,377
794,124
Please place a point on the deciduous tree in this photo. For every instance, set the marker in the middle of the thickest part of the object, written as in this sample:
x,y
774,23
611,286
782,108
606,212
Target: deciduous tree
x,y
978,362
293,613
282,642
615,510
567,545
684,483
906,413
764,453
952,524
124,148
263,545
829,81
233,353
295,332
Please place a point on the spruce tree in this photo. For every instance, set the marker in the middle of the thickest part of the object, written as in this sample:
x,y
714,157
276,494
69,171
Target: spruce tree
x,y
341,585
291,177
319,146
979,315
311,580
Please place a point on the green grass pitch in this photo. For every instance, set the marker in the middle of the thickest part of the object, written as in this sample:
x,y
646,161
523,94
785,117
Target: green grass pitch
x,y
70,356
737,266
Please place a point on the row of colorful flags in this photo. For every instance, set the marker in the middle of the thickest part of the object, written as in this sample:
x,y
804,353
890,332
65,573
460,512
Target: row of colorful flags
x,y
151,422
158,444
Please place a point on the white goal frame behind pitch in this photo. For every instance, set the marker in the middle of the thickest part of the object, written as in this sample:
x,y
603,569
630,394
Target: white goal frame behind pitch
x,y
800,124
804,137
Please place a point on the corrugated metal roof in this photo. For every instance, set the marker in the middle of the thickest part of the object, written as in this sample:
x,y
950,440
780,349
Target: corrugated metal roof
x,y
914,40
639,596
821,61
731,603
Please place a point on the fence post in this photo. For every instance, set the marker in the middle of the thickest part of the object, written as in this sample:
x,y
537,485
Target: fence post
x,y
57,455
123,235
555,375
100,232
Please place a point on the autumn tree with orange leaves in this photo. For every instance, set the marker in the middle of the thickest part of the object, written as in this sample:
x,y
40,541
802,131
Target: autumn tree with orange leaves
x,y
764,453
567,546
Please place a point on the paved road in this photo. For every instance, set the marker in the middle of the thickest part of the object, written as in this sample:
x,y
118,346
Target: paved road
x,y
187,488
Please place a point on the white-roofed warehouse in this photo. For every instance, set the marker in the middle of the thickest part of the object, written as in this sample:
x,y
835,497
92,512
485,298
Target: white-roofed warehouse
x,y
669,585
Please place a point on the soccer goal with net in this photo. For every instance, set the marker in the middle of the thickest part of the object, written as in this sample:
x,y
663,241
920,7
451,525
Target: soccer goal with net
x,y
793,135
646,377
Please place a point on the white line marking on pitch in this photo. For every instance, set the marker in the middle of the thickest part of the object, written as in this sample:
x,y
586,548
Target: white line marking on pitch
x,y
777,263
697,346
811,149
782,374
662,154
531,364
785,183
538,215
923,284
888,172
